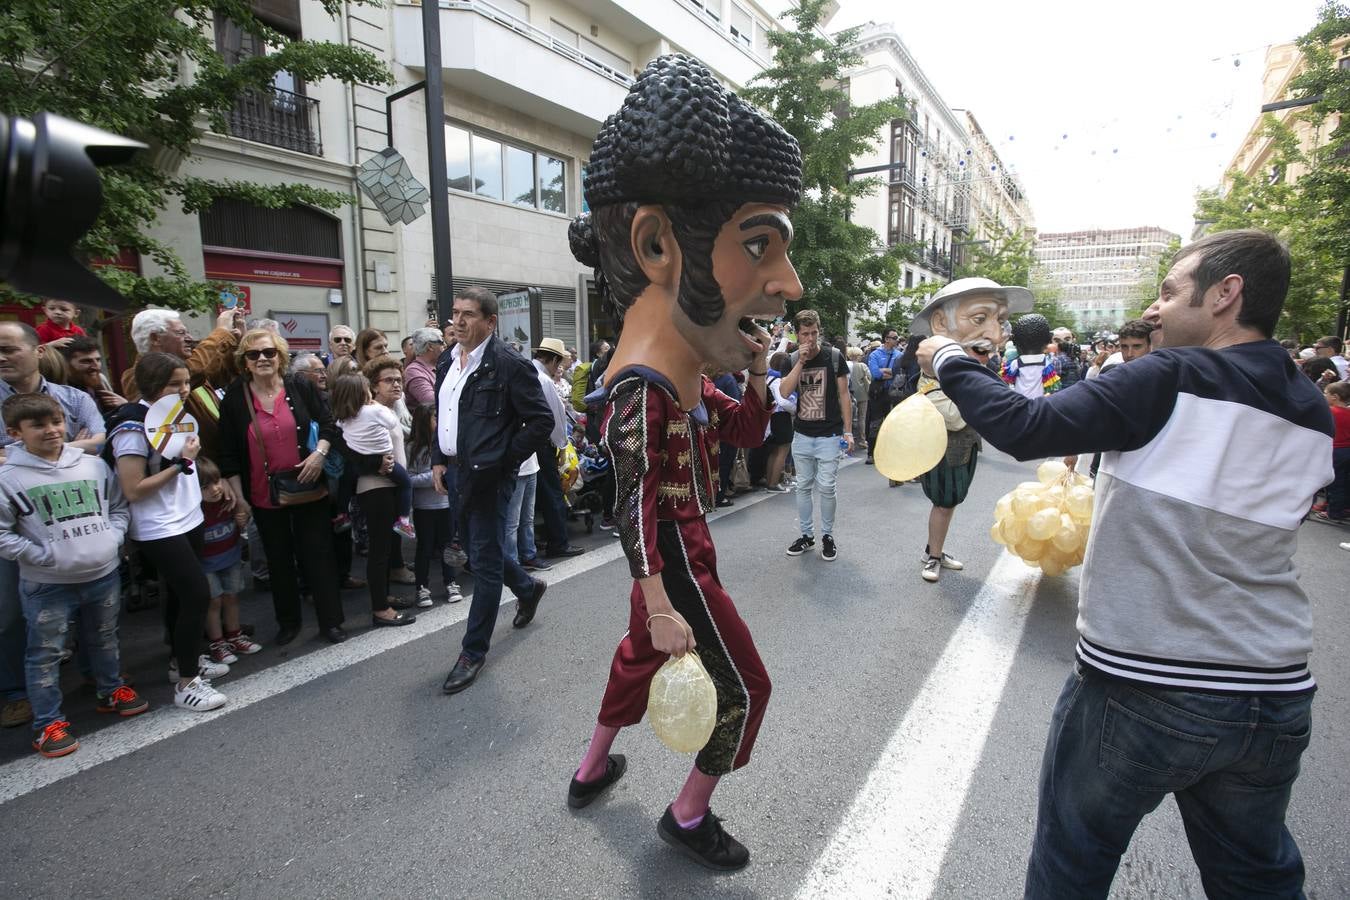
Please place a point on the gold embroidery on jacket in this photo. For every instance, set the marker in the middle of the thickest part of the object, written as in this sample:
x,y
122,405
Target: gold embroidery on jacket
x,y
669,490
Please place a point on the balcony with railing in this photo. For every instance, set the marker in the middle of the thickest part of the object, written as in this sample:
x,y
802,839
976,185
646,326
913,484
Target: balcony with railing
x,y
279,118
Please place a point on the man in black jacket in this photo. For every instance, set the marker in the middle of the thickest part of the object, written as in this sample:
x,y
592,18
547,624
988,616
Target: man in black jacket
x,y
491,416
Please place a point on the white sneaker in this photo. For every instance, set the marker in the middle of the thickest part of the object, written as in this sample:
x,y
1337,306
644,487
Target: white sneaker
x,y
452,592
198,696
423,597
206,668
932,568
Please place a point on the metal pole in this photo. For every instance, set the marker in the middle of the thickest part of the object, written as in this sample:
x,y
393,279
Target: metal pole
x,y
389,108
440,190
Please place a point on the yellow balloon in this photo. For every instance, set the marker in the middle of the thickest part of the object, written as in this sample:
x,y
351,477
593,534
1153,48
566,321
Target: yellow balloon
x,y
912,439
682,704
1050,471
1066,539
1030,550
1013,530
1054,564
1043,525
1079,501
1025,503
996,532
1003,508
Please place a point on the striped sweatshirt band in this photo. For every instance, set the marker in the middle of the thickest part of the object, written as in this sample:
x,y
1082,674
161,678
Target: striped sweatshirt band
x,y
1217,678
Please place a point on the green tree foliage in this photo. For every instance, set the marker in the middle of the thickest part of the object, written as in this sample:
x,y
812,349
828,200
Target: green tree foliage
x,y
1304,195
1148,289
150,70
844,267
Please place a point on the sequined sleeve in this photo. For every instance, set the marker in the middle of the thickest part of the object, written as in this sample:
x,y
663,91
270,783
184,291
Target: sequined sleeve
x,y
740,424
633,436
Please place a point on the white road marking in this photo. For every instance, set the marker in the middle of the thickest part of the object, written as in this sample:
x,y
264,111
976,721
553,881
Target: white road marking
x,y
893,839
31,773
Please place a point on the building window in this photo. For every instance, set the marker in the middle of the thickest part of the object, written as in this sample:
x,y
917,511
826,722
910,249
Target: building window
x,y
489,167
589,49
762,48
742,26
280,115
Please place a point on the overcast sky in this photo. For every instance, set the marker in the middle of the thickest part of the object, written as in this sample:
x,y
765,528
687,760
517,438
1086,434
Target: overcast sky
x,y
1111,114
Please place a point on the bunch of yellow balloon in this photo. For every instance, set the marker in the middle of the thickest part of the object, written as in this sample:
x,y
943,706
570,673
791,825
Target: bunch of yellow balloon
x,y
1046,521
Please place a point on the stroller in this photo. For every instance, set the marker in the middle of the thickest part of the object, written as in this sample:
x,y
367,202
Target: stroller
x,y
591,490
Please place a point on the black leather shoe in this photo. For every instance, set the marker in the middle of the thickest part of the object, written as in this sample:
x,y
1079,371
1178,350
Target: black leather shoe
x,y
401,618
463,674
584,793
565,552
286,634
334,635
707,843
527,607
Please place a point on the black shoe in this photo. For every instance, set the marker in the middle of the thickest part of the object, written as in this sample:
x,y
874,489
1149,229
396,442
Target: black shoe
x,y
402,602
528,606
800,546
724,502
828,552
333,635
535,565
463,674
869,461
565,552
286,634
584,793
707,843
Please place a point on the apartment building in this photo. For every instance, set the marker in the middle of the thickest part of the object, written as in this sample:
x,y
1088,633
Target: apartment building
x,y
948,188
1105,274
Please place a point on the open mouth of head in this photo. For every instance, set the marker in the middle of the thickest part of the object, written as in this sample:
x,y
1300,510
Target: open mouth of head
x,y
750,328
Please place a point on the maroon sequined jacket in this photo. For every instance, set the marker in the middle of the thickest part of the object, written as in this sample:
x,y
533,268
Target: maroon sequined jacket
x,y
666,459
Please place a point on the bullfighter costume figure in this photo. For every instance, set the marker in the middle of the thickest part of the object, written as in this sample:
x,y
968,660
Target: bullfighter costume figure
x,y
689,189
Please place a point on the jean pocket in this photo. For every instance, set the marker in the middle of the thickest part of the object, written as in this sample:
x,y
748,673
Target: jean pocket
x,y
1288,748
1149,755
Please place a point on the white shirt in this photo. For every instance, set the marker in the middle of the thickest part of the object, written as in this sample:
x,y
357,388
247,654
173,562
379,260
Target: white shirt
x,y
447,402
1342,367
174,509
371,431
555,405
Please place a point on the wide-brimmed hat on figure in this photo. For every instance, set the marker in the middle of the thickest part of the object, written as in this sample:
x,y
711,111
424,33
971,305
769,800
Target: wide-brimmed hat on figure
x,y
1019,299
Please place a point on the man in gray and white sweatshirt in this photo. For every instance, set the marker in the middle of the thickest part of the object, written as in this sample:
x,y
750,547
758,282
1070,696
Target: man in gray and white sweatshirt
x,y
1192,662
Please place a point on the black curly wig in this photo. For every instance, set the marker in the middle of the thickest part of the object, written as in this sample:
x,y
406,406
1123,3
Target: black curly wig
x,y
683,141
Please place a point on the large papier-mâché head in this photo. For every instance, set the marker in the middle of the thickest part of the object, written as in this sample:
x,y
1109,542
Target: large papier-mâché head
x,y
683,143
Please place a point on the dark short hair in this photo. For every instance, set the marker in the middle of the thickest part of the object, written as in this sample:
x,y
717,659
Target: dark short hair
x,y
208,473
806,317
79,345
1316,367
780,362
30,335
153,371
486,300
375,365
1331,341
36,408
894,331
1135,328
545,356
1258,257
596,346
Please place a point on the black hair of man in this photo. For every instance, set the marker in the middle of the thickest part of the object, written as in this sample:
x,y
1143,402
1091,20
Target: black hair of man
x,y
1258,257
79,345
486,300
1135,328
1333,342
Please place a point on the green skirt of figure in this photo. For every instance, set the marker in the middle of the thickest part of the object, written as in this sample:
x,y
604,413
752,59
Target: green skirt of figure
x,y
947,485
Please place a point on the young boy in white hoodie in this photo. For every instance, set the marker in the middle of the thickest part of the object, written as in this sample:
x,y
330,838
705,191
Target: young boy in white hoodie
x,y
62,519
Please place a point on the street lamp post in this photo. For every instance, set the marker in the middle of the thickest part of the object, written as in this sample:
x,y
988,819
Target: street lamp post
x,y
438,186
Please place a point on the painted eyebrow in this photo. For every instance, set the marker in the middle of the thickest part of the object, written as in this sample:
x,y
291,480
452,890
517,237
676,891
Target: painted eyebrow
x,y
776,221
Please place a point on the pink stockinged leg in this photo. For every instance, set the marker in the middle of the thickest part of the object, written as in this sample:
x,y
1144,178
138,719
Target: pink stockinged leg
x,y
692,803
597,755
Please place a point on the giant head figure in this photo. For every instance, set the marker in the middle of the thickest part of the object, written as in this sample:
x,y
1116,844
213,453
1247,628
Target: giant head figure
x,y
972,311
690,189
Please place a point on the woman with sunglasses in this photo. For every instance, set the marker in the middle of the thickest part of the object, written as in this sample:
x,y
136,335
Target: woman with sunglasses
x,y
276,424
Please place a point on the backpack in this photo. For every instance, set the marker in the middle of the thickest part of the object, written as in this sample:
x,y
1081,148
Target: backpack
x,y
579,381
128,417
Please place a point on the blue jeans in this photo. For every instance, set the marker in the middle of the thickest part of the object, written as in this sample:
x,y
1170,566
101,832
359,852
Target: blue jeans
x,y
484,516
13,635
817,461
1116,749
518,543
48,608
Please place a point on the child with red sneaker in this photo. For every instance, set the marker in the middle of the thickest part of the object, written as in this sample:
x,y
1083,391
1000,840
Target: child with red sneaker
x,y
62,519
222,556
1337,510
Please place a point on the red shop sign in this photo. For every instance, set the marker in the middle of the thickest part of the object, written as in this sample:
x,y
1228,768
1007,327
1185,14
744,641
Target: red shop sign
x,y
237,266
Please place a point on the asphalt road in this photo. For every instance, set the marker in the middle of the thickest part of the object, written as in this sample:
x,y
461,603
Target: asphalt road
x,y
898,757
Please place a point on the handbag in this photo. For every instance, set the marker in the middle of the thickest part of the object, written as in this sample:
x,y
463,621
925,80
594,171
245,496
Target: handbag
x,y
283,488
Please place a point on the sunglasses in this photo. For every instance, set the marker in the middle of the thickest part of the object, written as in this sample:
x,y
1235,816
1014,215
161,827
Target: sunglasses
x,y
265,353
342,340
